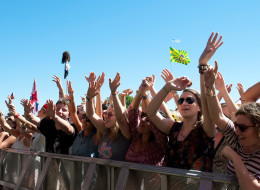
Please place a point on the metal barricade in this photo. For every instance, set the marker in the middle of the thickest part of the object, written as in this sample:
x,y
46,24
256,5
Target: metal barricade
x,y
40,170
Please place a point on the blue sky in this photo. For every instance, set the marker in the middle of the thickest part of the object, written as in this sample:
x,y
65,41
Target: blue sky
x,y
130,37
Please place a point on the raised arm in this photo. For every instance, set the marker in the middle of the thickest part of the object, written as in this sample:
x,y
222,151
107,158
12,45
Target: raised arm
x,y
28,112
21,119
98,122
214,106
252,94
123,94
165,124
57,80
72,108
167,76
212,45
120,111
7,127
64,125
220,86
100,81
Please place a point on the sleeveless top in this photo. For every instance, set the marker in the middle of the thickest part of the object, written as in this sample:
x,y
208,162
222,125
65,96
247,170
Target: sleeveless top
x,y
194,152
18,144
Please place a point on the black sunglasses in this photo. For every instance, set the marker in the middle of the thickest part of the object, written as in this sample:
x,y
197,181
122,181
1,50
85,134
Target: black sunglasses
x,y
189,100
242,127
143,115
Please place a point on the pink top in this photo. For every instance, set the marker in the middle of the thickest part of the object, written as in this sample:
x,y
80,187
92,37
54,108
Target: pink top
x,y
154,151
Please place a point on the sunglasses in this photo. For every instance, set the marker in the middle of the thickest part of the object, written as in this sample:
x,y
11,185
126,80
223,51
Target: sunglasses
x,y
242,127
189,100
108,114
143,115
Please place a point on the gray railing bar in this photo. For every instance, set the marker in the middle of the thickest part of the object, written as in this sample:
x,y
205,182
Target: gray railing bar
x,y
112,172
43,173
108,178
89,176
163,182
122,179
11,185
205,183
24,170
2,156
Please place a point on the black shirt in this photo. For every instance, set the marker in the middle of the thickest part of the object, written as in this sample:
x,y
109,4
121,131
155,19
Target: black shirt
x,y
57,141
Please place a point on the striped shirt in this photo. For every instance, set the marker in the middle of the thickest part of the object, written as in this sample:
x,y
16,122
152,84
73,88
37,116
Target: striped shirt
x,y
251,161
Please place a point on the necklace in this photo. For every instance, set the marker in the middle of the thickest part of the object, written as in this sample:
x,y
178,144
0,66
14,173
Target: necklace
x,y
182,135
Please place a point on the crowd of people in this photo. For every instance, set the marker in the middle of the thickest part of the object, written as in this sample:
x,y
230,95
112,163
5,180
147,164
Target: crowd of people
x,y
201,134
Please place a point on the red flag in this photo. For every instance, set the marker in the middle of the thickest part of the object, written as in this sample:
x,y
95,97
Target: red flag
x,y
34,98
12,96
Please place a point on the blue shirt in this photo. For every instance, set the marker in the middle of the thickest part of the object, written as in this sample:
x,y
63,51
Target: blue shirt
x,y
85,146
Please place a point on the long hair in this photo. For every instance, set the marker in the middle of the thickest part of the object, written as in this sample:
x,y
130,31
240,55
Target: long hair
x,y
197,96
113,132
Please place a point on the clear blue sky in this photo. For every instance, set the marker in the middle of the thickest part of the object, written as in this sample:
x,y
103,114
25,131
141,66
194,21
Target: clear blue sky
x,y
130,37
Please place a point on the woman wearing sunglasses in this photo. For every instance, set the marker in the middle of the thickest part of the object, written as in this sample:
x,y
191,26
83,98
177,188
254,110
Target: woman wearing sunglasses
x,y
243,136
190,143
114,127
87,140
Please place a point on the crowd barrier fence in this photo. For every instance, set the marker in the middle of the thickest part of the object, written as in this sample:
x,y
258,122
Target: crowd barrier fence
x,y
26,170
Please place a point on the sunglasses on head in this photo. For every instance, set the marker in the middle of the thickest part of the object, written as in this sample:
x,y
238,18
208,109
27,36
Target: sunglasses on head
x,y
189,100
143,115
108,114
242,127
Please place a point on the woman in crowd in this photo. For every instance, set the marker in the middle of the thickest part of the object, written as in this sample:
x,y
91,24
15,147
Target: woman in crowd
x,y
243,136
148,144
191,141
115,141
87,140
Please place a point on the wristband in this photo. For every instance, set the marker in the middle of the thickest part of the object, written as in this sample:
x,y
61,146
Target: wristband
x,y
88,99
145,97
113,94
17,115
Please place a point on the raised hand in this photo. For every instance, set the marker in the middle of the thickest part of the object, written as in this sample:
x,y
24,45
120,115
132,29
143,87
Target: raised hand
x,y
70,90
115,83
228,87
146,84
57,80
126,92
167,75
240,89
210,76
212,45
27,106
91,78
9,104
93,90
179,83
51,109
101,79
219,82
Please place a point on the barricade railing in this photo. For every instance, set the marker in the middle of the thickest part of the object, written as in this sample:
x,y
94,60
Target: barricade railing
x,y
41,170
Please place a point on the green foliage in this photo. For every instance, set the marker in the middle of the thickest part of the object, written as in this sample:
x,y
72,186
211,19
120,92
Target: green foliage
x,y
128,100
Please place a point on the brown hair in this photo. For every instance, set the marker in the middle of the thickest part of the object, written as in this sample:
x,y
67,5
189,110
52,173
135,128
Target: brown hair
x,y
252,110
63,101
197,96
113,133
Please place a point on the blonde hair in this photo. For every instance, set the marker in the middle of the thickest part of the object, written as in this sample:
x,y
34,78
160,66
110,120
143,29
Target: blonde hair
x,y
113,132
